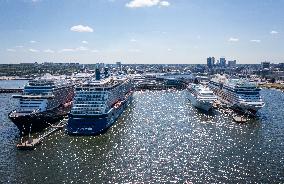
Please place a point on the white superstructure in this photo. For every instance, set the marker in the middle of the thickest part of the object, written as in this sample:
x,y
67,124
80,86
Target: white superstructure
x,y
45,93
201,97
97,97
240,94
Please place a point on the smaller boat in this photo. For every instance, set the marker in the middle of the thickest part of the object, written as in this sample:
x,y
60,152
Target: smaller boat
x,y
201,97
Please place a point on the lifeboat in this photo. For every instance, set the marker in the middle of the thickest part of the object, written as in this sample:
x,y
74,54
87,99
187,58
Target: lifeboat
x,y
117,105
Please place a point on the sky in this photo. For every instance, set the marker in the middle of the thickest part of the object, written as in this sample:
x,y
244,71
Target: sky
x,y
141,31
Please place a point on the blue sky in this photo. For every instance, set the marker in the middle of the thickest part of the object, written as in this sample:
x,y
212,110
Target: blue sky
x,y
141,31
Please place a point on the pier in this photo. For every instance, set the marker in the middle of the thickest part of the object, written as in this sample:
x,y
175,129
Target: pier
x,y
161,85
272,86
31,143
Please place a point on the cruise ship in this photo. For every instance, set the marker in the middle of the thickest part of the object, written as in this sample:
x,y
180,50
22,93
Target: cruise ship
x,y
43,102
98,103
201,97
239,94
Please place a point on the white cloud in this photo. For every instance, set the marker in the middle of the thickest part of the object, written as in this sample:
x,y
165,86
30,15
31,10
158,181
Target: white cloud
x,y
95,50
19,46
233,39
255,41
165,3
133,40
10,50
273,32
32,41
85,42
48,51
146,3
81,29
81,48
169,49
33,50
66,50
134,50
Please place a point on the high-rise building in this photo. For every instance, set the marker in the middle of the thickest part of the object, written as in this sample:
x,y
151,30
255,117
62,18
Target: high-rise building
x,y
118,65
222,62
232,63
100,65
210,62
281,66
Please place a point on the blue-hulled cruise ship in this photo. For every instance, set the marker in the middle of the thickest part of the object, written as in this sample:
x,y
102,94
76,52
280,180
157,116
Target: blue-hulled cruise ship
x,y
98,103
239,94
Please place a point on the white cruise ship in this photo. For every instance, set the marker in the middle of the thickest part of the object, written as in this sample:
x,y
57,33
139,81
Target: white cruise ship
x,y
43,102
201,97
239,94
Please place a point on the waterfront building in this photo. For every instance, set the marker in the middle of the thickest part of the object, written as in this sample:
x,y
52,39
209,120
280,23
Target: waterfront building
x,y
265,65
232,63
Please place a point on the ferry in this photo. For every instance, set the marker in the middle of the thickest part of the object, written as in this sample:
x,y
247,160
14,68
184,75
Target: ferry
x,y
98,103
201,97
239,94
43,102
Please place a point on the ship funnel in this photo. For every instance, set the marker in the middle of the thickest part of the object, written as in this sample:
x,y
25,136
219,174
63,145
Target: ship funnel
x,y
98,74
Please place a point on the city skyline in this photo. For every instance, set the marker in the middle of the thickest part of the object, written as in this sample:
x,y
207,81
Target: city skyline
x,y
141,31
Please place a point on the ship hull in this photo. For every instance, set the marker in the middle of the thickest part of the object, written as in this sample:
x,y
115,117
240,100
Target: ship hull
x,y
94,125
251,109
36,122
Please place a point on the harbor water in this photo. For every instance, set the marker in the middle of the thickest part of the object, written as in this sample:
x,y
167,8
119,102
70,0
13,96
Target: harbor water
x,y
160,138
12,84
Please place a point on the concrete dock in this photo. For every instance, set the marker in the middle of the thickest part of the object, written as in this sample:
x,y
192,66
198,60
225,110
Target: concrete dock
x,y
31,143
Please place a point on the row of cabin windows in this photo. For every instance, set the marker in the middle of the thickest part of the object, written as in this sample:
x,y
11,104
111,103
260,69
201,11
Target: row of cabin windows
x,y
89,102
245,95
89,99
30,102
32,106
90,108
85,110
91,92
91,96
86,105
